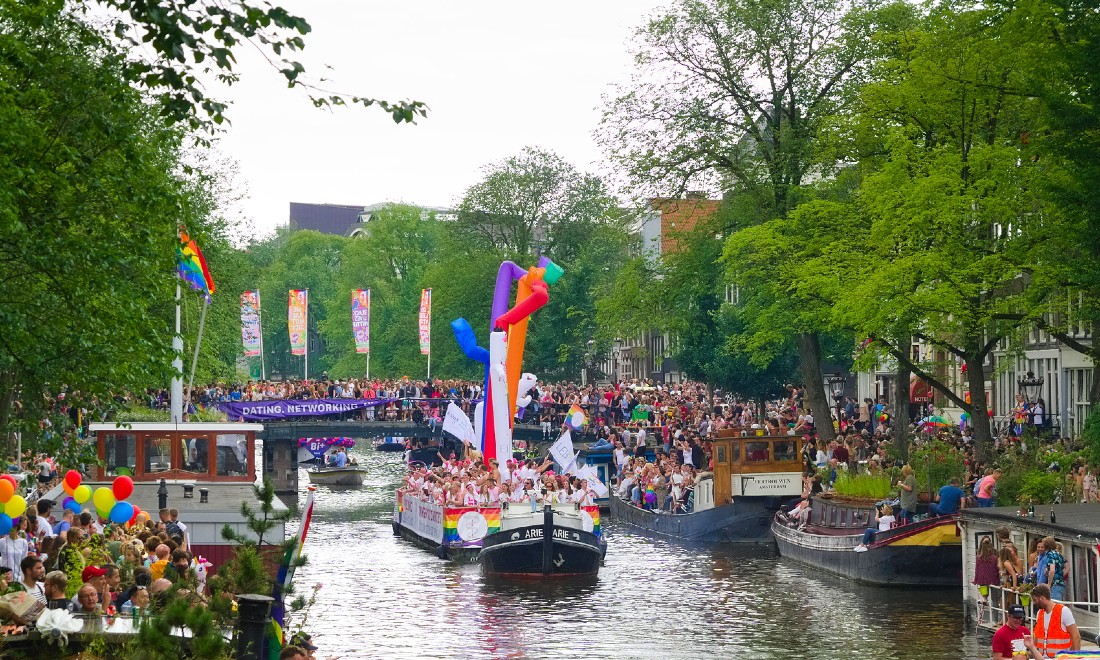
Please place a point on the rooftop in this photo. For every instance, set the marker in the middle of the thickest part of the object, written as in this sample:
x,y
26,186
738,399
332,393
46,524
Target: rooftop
x,y
1073,519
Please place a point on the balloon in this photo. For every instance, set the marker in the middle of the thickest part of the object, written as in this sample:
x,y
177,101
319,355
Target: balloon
x,y
103,499
122,487
6,490
67,488
15,507
103,514
965,416
82,494
72,478
5,523
74,506
122,512
137,512
883,417
66,501
11,480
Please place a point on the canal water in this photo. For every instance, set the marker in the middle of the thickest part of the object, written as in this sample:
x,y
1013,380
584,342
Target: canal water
x,y
382,597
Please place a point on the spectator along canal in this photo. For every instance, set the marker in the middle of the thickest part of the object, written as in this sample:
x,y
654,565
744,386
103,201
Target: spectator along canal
x,y
385,597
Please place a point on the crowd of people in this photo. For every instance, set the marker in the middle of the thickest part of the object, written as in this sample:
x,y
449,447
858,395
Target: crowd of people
x,y
469,482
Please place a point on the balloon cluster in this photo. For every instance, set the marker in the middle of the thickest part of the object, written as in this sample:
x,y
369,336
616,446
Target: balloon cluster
x,y
11,504
329,442
109,503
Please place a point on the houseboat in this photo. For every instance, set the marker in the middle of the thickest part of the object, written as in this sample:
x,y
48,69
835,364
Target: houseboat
x,y
925,553
753,476
555,542
205,470
1075,526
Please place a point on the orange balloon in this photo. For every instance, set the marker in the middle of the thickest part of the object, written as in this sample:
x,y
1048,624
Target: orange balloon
x,y
68,490
6,490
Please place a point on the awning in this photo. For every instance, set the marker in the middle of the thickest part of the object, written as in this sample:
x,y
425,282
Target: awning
x,y
919,391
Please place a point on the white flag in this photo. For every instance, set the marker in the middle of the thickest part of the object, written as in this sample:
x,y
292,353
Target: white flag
x,y
588,473
458,424
562,450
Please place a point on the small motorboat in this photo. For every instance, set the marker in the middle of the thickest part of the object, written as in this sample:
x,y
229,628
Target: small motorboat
x,y
325,471
551,543
349,475
391,443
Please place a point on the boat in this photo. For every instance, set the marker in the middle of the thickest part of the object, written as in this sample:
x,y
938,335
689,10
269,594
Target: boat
x,y
392,443
313,450
205,470
924,553
1075,526
753,476
455,533
554,542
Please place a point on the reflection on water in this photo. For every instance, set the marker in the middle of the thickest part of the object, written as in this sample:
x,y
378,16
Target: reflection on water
x,y
383,597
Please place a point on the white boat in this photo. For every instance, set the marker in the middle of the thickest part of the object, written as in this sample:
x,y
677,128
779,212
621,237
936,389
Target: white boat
x,y
349,475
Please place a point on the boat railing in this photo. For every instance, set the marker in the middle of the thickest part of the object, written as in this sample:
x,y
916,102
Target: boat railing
x,y
996,599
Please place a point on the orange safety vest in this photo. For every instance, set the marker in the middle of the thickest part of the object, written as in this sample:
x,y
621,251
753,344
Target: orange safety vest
x,y
1056,638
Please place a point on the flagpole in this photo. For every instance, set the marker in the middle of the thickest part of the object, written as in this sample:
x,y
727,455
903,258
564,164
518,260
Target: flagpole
x,y
305,371
260,322
198,343
430,301
176,405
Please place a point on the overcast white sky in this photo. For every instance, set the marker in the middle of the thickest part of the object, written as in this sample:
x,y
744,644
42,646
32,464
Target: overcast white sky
x,y
497,76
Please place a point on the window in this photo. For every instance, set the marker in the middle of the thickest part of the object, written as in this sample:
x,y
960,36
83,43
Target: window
x,y
232,455
1082,577
158,455
119,454
721,454
756,452
735,453
195,453
784,450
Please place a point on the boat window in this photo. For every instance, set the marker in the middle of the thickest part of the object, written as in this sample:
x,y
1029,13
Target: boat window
x,y
735,452
196,455
721,454
232,458
756,452
158,455
785,451
119,454
1083,577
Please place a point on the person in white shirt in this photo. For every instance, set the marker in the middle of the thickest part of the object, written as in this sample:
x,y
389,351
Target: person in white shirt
x,y
45,528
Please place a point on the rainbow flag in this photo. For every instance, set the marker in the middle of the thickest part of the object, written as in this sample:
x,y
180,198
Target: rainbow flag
x,y
594,513
191,266
276,640
575,418
450,523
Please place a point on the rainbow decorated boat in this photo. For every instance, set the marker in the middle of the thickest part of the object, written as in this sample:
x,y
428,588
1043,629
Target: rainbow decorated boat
x,y
459,533
331,464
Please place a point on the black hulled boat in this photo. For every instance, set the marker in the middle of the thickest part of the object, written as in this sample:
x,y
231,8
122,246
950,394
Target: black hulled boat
x,y
550,543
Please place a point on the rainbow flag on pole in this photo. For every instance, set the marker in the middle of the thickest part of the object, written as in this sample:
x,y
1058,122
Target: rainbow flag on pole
x,y
286,575
191,266
575,418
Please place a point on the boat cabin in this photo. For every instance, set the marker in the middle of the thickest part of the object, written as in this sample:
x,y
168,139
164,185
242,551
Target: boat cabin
x,y
207,470
754,465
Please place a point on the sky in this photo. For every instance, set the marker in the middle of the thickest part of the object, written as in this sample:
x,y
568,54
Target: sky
x,y
497,76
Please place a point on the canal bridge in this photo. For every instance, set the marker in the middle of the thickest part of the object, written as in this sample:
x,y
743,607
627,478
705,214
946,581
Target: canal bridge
x,y
280,460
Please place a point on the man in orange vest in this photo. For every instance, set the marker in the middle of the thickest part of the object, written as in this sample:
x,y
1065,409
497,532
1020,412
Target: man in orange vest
x,y
1055,629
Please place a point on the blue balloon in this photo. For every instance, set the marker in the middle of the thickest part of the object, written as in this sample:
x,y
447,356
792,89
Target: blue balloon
x,y
121,512
72,505
5,523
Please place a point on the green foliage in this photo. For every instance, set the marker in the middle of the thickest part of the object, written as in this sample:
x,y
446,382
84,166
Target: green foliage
x,y
156,642
935,463
1090,435
876,486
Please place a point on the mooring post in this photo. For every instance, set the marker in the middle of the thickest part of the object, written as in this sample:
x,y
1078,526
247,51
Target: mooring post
x,y
253,614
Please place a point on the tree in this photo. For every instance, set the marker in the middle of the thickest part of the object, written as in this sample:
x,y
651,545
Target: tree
x,y
734,96
952,212
89,207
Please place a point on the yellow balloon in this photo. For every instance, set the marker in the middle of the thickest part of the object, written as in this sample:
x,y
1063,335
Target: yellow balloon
x,y
82,494
103,498
15,506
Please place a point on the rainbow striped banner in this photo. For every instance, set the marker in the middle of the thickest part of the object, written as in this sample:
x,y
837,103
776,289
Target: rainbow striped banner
x,y
469,525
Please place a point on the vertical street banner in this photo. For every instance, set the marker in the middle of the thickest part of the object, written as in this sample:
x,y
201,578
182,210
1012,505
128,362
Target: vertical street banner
x,y
296,320
250,322
426,322
360,319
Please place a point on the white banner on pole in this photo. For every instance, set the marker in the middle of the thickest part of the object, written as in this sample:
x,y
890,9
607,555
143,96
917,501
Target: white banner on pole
x,y
588,473
458,424
562,450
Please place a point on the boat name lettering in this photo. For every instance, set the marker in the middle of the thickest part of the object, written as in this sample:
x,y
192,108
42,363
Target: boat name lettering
x,y
536,533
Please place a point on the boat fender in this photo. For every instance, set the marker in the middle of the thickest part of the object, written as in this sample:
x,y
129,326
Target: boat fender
x,y
441,551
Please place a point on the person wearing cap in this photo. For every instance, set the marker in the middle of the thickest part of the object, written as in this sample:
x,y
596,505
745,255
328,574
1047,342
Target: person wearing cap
x,y
293,652
1055,628
305,642
95,577
1013,639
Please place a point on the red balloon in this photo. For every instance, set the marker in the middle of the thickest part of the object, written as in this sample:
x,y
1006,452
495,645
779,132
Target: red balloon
x,y
72,478
122,487
133,519
10,479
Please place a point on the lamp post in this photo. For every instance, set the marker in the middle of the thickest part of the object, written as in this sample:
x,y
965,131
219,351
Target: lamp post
x,y
587,363
836,384
1030,386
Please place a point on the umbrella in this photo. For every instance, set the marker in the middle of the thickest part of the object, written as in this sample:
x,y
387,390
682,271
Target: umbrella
x,y
935,420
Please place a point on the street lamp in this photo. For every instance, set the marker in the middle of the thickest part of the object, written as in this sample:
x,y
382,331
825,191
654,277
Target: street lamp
x,y
1030,386
836,384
